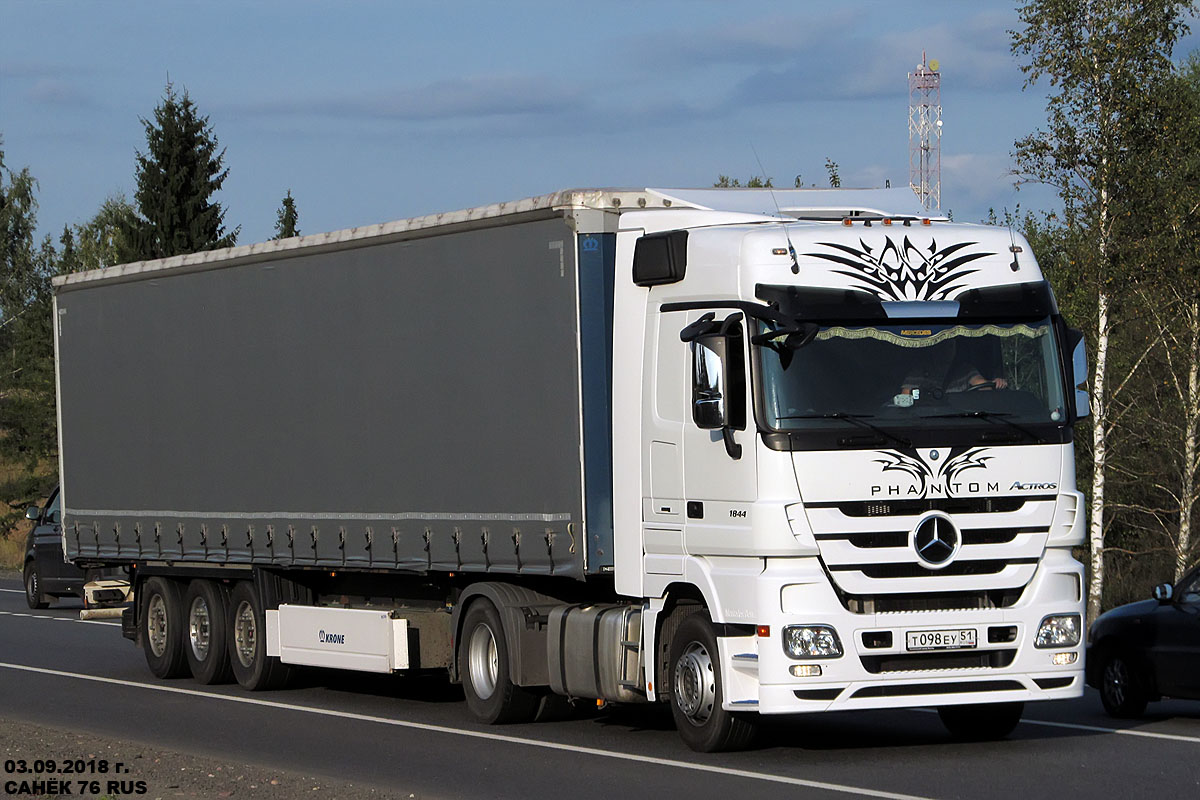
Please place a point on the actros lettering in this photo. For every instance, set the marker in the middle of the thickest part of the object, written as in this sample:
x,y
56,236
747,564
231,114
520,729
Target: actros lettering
x,y
1025,487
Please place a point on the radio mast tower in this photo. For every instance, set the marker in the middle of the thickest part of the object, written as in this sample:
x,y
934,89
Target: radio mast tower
x,y
925,133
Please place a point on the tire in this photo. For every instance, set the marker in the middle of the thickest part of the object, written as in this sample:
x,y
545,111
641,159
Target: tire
x,y
206,620
34,597
1122,686
160,627
246,637
697,693
483,664
982,722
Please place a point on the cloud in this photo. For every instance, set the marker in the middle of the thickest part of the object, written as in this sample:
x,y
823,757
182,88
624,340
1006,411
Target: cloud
x,y
470,97
57,92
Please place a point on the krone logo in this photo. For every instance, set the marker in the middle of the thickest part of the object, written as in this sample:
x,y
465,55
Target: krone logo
x,y
936,541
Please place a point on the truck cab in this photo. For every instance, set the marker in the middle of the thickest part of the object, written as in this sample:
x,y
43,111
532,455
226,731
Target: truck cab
x,y
856,466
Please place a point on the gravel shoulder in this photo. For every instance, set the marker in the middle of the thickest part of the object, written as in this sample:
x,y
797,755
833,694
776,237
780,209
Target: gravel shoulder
x,y
150,772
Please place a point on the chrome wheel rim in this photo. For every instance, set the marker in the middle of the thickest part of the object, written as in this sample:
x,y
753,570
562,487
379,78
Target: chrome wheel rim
x,y
245,633
695,686
199,628
483,661
1116,679
156,624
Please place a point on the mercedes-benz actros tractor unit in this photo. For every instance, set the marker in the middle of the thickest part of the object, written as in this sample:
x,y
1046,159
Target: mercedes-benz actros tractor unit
x,y
740,451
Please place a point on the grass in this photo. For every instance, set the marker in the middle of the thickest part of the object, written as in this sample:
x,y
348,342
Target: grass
x,y
17,479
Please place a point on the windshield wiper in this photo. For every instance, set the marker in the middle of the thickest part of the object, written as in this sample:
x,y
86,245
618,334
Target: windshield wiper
x,y
854,419
990,416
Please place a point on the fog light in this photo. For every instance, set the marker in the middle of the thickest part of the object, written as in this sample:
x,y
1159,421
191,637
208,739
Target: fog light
x,y
806,670
1060,630
811,641
1062,659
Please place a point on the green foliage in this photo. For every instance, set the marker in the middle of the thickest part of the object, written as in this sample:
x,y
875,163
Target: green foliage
x,y
753,182
835,178
286,218
27,416
176,178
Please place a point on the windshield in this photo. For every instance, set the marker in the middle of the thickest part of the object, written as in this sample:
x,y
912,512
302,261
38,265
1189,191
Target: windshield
x,y
912,375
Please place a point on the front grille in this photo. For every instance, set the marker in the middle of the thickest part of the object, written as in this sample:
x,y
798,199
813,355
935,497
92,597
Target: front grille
x,y
882,571
929,601
873,540
950,505
910,662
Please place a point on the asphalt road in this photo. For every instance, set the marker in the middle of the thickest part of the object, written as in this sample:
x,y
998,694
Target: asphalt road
x,y
414,734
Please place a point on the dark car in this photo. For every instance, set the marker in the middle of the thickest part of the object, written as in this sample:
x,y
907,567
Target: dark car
x,y
1148,650
47,574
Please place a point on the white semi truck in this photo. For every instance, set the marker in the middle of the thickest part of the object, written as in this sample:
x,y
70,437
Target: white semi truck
x,y
743,452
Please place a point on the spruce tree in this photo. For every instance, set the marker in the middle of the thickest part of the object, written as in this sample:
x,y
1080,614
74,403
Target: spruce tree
x,y
286,218
176,178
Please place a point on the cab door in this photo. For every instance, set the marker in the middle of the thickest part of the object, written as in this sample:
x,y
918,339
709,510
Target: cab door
x,y
719,466
1177,647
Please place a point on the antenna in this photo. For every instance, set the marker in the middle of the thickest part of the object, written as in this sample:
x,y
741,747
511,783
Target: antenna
x,y
925,133
786,235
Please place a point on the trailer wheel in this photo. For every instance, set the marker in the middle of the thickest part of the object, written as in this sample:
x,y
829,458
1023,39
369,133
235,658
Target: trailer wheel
x,y
697,694
483,664
33,587
206,610
981,722
161,627
247,642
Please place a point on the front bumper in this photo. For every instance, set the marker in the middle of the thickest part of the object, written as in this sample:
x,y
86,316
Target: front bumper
x,y
874,672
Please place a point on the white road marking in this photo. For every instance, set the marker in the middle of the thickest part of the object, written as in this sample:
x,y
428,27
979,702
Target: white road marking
x,y
1176,737
60,619
14,591
497,737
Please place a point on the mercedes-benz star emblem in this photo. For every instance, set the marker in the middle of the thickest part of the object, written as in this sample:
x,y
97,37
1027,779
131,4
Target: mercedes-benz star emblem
x,y
936,540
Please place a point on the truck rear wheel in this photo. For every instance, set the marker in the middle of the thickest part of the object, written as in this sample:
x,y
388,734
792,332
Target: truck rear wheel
x,y
206,609
982,722
247,638
483,664
697,693
161,627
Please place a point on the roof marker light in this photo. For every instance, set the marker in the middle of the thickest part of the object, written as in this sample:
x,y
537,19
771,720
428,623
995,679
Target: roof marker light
x,y
887,221
925,221
847,222
779,251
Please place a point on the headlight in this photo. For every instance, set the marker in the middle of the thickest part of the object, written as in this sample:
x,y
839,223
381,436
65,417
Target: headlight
x,y
1061,630
811,641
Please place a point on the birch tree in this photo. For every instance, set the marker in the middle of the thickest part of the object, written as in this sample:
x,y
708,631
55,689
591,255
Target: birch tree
x,y
1100,58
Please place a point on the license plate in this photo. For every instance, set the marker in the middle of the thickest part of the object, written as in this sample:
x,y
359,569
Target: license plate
x,y
961,639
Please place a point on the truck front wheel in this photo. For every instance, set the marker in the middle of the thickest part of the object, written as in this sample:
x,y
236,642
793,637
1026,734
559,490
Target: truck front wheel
x,y
206,605
483,665
247,638
161,627
697,694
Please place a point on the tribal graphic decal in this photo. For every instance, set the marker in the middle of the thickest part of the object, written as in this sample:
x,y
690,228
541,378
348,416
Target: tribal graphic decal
x,y
939,478
904,271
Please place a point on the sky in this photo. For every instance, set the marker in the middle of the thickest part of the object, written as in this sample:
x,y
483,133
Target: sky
x,y
371,111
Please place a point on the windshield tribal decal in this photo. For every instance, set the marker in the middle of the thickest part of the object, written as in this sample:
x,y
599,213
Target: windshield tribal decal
x,y
931,475
904,271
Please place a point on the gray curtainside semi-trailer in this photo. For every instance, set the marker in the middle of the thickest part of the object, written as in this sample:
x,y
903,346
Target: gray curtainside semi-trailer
x,y
554,447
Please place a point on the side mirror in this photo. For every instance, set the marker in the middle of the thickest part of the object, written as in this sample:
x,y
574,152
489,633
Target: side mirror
x,y
54,517
33,513
709,382
1164,592
1079,373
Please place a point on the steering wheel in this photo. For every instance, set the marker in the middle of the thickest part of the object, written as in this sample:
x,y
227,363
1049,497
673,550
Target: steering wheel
x,y
982,387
